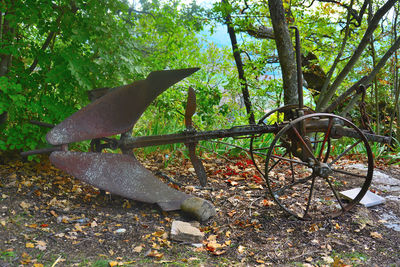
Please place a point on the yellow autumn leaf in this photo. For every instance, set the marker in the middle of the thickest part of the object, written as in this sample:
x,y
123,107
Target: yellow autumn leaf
x,y
78,227
29,245
38,265
113,263
241,249
376,235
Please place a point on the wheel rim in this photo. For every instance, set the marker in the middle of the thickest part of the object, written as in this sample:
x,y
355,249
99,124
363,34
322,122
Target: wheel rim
x,y
305,176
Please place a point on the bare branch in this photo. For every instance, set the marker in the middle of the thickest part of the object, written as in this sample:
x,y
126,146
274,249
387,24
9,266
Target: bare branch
x,y
324,99
382,61
44,46
366,79
356,15
340,54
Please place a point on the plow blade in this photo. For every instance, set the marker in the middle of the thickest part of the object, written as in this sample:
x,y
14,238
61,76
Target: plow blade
x,y
117,111
122,175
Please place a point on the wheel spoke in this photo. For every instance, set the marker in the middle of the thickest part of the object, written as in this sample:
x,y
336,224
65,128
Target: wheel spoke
x,y
291,166
344,152
276,162
328,132
300,181
349,173
335,193
309,196
290,160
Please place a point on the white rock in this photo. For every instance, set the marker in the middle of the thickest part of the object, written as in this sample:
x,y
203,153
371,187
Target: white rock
x,y
183,231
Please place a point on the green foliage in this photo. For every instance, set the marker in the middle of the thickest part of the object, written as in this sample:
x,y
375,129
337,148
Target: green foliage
x,y
63,49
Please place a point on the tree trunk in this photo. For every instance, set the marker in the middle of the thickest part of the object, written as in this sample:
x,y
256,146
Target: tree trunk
x,y
286,52
239,65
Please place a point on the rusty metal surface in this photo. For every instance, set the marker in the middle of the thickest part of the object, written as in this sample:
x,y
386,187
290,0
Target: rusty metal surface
x,y
190,108
197,164
117,111
121,175
193,136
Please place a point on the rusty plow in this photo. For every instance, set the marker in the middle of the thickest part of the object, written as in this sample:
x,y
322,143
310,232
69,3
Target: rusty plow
x,y
116,112
304,140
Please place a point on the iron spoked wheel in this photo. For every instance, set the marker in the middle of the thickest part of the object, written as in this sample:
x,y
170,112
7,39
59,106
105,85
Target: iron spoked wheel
x,y
305,172
259,144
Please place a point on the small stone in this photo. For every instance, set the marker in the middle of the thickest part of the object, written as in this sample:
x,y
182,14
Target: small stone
x,y
198,208
120,231
183,231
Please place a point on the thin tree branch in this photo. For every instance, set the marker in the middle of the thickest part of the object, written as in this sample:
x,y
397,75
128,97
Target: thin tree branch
x,y
366,79
239,66
46,43
356,15
339,55
382,61
324,99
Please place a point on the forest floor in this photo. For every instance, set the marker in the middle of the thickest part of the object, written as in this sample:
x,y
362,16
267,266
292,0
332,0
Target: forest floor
x,y
48,218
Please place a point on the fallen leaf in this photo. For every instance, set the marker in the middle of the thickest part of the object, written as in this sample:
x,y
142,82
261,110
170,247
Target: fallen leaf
x,y
113,263
29,245
78,227
41,245
376,235
232,183
267,202
218,252
26,259
3,222
154,254
241,249
328,259
38,265
228,234
52,212
24,205
309,259
138,249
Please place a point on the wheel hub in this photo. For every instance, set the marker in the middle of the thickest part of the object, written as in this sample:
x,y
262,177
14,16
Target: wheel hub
x,y
322,169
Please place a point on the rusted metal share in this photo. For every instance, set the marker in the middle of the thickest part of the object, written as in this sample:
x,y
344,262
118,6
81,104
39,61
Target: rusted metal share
x,y
117,111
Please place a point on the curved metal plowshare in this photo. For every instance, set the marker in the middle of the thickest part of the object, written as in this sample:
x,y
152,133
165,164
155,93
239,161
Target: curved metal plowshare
x,y
115,113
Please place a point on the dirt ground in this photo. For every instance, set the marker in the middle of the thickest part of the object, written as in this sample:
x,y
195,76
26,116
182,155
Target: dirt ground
x,y
48,218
